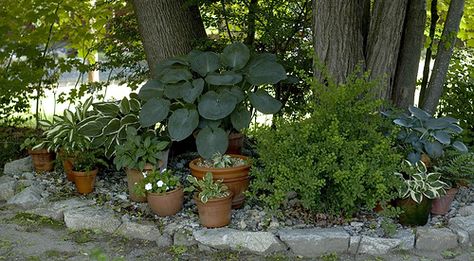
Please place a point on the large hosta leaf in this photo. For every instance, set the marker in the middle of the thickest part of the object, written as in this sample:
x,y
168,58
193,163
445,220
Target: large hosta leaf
x,y
175,75
90,129
151,89
154,111
191,92
182,123
434,149
216,106
168,63
225,78
236,55
419,113
442,137
264,71
204,63
112,127
210,141
460,146
240,118
174,91
135,104
108,108
124,106
263,102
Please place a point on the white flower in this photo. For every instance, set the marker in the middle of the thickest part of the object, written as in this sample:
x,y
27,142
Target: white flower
x,y
163,170
144,174
167,187
160,183
148,186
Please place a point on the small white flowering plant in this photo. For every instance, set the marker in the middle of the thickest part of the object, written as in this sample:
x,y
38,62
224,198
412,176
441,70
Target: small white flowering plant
x,y
157,181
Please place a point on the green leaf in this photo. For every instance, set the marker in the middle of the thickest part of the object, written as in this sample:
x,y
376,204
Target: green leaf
x,y
236,55
225,78
108,108
90,129
204,63
124,106
460,146
236,92
135,105
182,123
168,63
191,92
419,113
174,91
265,72
151,89
175,75
434,149
112,127
128,119
263,102
216,106
442,137
240,118
154,111
211,141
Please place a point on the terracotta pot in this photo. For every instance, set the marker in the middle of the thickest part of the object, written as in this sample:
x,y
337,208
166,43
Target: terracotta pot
x,y
216,212
442,205
68,164
414,214
236,178
236,142
427,160
166,204
134,176
85,180
43,160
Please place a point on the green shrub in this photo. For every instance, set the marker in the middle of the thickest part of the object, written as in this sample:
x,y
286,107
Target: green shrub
x,y
336,159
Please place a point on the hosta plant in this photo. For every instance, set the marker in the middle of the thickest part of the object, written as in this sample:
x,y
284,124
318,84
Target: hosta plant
x,y
157,182
419,183
210,93
221,161
422,133
207,188
138,150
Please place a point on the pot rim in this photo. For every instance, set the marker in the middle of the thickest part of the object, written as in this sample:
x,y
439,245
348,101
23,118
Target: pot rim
x,y
85,173
193,165
154,194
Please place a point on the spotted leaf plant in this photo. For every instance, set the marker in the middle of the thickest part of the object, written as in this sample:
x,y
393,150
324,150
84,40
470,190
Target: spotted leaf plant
x,y
207,188
418,183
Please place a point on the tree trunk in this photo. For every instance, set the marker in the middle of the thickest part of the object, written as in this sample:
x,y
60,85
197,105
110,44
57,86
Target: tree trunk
x,y
445,50
409,58
383,43
251,22
429,50
338,35
168,28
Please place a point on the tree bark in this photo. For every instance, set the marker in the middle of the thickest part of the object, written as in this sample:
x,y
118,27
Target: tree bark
x,y
383,43
445,50
249,40
429,50
168,28
409,58
338,37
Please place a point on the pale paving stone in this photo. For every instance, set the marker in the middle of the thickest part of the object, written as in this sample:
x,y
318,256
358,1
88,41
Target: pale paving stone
x,y
93,218
435,239
55,210
18,166
7,187
378,246
315,242
463,223
27,198
146,232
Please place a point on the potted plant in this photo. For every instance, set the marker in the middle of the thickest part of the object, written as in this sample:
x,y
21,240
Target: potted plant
x,y
213,199
210,94
43,160
85,171
424,137
416,192
163,191
457,169
137,155
233,170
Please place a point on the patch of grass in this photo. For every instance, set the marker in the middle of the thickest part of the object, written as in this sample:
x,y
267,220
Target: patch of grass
x,y
449,254
82,236
99,255
33,258
33,221
225,255
277,257
178,250
330,257
20,187
5,244
389,228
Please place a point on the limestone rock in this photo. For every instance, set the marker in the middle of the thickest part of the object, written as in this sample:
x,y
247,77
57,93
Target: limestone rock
x,y
146,232
91,218
467,210
407,238
55,210
225,238
354,244
315,242
184,237
463,223
435,239
7,187
18,166
378,246
28,198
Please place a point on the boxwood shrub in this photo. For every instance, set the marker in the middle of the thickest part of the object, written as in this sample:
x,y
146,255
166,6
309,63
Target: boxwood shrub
x,y
337,158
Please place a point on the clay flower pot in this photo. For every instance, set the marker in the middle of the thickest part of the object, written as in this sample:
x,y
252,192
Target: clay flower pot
x,y
166,204
85,180
68,164
43,160
216,212
414,214
235,178
442,205
236,142
134,176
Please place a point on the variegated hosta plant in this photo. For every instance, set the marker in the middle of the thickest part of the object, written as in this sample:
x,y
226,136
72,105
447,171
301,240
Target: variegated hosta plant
x,y
419,183
207,188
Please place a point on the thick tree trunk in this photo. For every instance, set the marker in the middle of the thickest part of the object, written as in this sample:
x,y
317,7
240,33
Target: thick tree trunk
x,y
251,22
338,35
445,50
409,57
168,28
383,43
429,50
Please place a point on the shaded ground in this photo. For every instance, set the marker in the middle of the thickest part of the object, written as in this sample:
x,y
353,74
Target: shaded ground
x,y
28,237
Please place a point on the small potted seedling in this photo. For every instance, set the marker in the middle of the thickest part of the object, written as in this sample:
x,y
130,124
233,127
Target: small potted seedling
x,y
163,191
43,159
213,199
85,171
